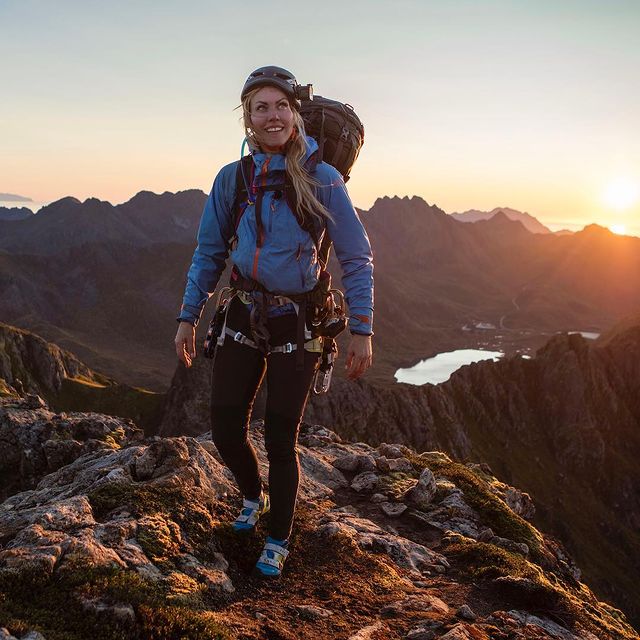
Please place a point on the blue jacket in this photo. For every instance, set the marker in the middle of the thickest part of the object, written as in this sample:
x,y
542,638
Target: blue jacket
x,y
287,262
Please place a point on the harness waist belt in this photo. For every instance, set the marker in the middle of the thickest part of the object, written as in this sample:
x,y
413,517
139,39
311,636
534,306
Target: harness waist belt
x,y
288,347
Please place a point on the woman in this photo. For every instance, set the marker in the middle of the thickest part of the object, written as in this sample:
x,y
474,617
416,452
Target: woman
x,y
271,247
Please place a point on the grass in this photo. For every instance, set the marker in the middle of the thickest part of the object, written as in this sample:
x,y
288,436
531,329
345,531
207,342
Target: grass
x,y
140,405
181,506
493,511
55,608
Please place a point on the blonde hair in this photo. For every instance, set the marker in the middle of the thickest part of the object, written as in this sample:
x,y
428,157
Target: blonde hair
x,y
295,150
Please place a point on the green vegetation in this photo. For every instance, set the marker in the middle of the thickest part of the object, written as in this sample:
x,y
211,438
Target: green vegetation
x,y
58,608
115,438
140,405
182,506
395,484
536,590
492,510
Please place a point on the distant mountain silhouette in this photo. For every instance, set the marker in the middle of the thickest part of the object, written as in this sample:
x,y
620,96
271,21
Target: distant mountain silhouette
x,y
14,213
530,223
144,220
106,282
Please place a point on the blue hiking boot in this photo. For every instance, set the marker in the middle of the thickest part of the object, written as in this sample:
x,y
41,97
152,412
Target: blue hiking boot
x,y
271,561
250,514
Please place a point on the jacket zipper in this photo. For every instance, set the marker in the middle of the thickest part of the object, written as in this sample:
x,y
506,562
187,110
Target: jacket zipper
x,y
263,172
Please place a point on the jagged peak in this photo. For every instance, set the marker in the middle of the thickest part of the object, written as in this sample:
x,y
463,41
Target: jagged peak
x,y
501,220
56,205
146,197
96,203
413,204
396,199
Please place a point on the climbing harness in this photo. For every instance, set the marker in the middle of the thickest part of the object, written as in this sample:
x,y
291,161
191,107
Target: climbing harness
x,y
326,320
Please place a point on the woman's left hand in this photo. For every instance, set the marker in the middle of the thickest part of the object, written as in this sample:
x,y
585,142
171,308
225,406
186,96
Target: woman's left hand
x,y
359,356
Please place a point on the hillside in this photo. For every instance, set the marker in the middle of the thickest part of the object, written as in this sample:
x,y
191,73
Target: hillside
x,y
106,282
562,425
133,540
31,365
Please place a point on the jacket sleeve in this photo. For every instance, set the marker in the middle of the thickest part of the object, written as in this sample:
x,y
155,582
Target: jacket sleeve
x,y
209,258
353,251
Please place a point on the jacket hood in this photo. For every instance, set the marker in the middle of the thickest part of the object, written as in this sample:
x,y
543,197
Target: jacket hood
x,y
277,160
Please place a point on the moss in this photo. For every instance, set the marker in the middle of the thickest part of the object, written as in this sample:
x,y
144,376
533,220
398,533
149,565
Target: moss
x,y
115,438
492,510
54,607
395,484
159,538
160,623
484,560
182,589
575,607
183,506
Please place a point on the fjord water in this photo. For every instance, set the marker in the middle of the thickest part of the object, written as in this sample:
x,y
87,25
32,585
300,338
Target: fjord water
x,y
440,367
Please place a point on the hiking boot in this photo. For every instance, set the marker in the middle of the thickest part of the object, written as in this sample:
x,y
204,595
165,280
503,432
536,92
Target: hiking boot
x,y
250,513
271,561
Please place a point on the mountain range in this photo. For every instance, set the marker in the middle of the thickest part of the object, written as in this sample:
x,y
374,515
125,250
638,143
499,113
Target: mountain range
x,y
106,281
14,213
529,222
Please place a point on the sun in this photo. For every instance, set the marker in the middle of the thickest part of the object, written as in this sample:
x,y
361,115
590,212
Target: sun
x,y
621,193
620,229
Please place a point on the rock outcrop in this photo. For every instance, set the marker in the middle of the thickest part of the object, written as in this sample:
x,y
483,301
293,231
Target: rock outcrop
x,y
563,426
35,441
139,536
31,365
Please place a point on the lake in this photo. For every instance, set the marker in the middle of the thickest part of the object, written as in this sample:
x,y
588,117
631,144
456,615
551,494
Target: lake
x,y
439,368
589,335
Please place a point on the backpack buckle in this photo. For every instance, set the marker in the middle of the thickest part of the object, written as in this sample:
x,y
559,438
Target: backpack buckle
x,y
287,348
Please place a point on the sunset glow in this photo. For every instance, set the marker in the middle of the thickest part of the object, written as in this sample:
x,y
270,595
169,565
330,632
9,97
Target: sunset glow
x,y
80,117
621,194
620,229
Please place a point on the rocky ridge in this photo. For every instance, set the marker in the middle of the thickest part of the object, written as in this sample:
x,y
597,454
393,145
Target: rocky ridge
x,y
562,425
31,365
387,543
35,441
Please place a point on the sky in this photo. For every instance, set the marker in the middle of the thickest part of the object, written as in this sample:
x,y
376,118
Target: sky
x,y
467,104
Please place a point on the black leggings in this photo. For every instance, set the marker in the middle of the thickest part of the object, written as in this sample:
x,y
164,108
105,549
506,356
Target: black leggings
x,y
237,372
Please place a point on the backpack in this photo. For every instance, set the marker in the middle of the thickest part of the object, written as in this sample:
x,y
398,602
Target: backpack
x,y
337,130
340,136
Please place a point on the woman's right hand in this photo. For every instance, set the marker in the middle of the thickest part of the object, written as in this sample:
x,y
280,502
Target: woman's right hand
x,y
186,343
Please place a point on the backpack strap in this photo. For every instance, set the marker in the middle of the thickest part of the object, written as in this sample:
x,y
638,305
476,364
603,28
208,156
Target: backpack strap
x,y
245,172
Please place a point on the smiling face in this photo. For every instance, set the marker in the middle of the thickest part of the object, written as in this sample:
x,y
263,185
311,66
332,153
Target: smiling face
x,y
271,118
